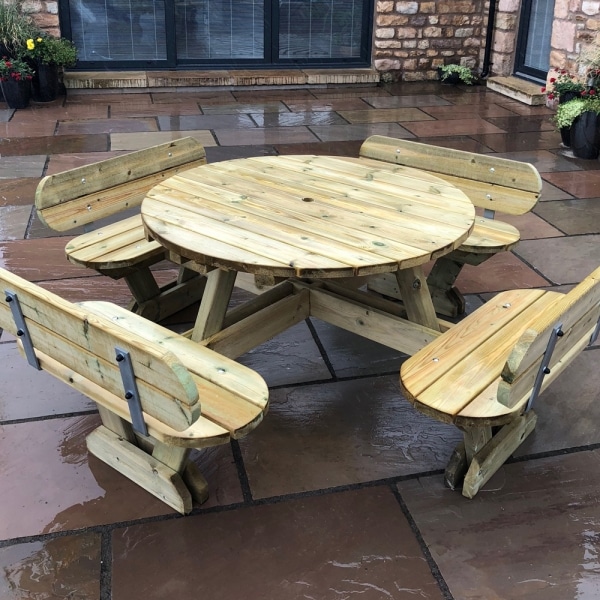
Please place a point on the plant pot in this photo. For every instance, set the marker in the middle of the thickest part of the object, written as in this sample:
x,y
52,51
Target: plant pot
x,y
451,78
585,135
16,93
566,96
44,85
565,136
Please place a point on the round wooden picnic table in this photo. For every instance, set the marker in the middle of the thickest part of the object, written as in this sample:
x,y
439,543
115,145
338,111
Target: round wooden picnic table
x,y
307,216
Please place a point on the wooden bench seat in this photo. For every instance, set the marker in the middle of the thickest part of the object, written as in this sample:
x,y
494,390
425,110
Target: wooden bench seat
x,y
91,193
492,184
487,371
189,396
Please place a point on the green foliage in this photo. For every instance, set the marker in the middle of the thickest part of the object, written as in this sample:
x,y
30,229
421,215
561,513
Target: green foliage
x,y
51,50
567,112
464,73
15,26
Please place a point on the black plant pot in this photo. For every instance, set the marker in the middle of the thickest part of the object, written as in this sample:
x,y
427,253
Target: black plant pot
x,y
451,78
567,96
16,93
565,136
585,136
45,83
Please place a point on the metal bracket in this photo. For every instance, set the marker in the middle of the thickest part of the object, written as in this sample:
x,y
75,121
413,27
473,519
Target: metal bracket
x,y
488,213
544,368
22,331
131,391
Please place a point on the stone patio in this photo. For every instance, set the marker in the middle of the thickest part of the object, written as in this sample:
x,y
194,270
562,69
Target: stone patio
x,y
338,494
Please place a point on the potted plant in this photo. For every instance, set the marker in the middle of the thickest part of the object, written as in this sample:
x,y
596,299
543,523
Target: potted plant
x,y
456,74
15,80
50,55
563,87
582,117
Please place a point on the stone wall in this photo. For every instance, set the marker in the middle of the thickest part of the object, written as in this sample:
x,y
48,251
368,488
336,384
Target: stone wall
x,y
44,14
411,39
506,23
576,29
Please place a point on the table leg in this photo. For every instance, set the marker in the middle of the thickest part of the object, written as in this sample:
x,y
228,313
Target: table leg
x,y
213,307
416,297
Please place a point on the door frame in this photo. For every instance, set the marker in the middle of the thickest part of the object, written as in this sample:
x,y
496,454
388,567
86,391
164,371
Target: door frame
x,y
520,68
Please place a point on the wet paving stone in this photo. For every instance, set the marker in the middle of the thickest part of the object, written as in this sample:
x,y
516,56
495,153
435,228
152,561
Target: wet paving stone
x,y
531,533
18,191
574,217
194,122
335,546
61,567
339,492
57,144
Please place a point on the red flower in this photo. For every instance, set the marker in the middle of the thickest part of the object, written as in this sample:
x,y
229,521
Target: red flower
x,y
543,90
592,92
552,79
550,96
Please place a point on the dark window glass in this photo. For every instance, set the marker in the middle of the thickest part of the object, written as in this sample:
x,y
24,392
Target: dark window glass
x,y
320,28
220,29
105,30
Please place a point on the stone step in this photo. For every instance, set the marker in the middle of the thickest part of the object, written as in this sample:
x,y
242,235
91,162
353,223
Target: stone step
x,y
143,80
518,89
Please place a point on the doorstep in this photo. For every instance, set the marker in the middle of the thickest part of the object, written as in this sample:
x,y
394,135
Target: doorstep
x,y
144,80
518,89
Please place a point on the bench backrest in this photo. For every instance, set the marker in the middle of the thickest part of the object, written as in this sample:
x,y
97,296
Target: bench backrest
x,y
81,347
578,315
492,183
91,192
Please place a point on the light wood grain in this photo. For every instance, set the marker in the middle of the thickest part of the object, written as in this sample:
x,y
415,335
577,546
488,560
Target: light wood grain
x,y
493,183
306,216
91,192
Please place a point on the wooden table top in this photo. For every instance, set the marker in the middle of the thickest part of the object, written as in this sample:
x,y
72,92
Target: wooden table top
x,y
307,216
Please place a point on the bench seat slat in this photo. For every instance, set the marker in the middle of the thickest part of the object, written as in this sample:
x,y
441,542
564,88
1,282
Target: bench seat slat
x,y
470,356
491,236
117,246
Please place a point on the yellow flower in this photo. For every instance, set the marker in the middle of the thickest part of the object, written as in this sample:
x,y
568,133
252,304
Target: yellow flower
x,y
39,40
30,44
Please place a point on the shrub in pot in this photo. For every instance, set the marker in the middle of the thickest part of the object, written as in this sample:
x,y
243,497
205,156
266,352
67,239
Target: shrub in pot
x,y
49,55
582,116
456,74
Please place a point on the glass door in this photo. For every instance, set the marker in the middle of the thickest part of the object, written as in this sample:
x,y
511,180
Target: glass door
x,y
218,33
533,42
